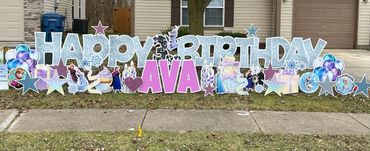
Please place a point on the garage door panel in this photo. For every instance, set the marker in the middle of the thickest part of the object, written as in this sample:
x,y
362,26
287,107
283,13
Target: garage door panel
x,y
332,20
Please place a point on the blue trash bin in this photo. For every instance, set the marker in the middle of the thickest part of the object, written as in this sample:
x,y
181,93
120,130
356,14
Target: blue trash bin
x,y
52,22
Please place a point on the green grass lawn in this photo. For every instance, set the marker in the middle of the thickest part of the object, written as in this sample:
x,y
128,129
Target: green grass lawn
x,y
301,102
179,141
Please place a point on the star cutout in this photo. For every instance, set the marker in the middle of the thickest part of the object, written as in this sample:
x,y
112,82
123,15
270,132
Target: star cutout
x,y
100,29
326,87
273,86
61,69
209,90
29,84
362,87
252,31
55,84
269,73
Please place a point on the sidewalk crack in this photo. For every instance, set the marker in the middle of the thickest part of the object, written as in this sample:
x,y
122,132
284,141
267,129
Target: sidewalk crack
x,y
358,121
12,121
255,121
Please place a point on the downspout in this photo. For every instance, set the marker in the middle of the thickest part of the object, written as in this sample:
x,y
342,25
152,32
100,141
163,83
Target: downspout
x,y
277,17
132,19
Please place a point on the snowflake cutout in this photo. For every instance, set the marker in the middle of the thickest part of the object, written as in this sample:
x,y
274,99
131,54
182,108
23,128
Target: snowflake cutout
x,y
96,60
291,65
85,63
259,88
301,66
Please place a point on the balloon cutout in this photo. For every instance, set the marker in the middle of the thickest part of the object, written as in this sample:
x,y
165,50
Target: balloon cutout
x,y
330,67
22,57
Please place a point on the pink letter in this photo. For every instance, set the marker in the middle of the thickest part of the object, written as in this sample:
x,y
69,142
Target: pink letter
x,y
151,78
188,78
169,78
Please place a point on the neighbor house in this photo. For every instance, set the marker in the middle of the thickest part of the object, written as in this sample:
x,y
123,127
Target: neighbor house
x,y
19,19
342,23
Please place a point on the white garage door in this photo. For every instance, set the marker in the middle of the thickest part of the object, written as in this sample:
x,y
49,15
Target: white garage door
x,y
11,20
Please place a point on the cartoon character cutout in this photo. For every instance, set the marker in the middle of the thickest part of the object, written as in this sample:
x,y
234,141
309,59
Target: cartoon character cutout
x,y
129,71
207,75
345,84
116,80
228,71
172,35
76,80
250,79
160,42
14,76
164,44
308,82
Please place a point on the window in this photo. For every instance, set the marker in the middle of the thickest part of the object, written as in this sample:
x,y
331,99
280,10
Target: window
x,y
78,6
213,16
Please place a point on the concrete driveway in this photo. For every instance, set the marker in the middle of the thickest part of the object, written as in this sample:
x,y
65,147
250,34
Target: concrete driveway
x,y
357,62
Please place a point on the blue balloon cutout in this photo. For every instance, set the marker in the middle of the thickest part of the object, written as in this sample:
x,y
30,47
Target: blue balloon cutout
x,y
22,47
329,57
320,72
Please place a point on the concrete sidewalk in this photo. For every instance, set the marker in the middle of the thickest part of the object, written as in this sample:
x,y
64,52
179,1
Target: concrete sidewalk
x,y
182,120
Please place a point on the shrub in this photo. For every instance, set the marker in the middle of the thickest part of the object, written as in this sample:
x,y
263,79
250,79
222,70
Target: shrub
x,y
232,34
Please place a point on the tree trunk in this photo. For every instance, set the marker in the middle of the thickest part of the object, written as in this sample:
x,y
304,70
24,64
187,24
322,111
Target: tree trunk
x,y
196,13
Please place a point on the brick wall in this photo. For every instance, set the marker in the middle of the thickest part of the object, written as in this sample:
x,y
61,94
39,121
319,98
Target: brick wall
x,y
32,14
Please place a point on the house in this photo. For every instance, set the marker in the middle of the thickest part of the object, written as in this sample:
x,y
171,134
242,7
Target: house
x,y
342,23
19,19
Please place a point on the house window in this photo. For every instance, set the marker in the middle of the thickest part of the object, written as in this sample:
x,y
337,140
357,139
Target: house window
x,y
78,6
213,15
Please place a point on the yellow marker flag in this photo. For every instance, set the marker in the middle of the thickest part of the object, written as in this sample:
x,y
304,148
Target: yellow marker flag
x,y
139,131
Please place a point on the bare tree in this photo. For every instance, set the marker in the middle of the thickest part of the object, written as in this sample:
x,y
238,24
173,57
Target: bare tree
x,y
196,14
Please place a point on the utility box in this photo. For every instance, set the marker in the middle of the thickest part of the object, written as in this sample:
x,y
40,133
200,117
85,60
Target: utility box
x,y
52,22
80,26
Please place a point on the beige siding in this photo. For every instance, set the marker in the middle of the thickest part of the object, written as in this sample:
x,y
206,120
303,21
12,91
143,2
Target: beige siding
x,y
65,8
286,19
363,38
261,13
151,16
149,21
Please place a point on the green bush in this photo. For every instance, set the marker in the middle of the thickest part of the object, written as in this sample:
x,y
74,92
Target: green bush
x,y
232,34
182,31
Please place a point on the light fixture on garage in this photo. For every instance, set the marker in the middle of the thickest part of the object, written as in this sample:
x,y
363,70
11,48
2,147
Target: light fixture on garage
x,y
285,0
366,1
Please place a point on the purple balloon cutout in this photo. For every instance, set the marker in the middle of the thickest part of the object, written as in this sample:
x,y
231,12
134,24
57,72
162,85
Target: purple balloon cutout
x,y
23,55
329,64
